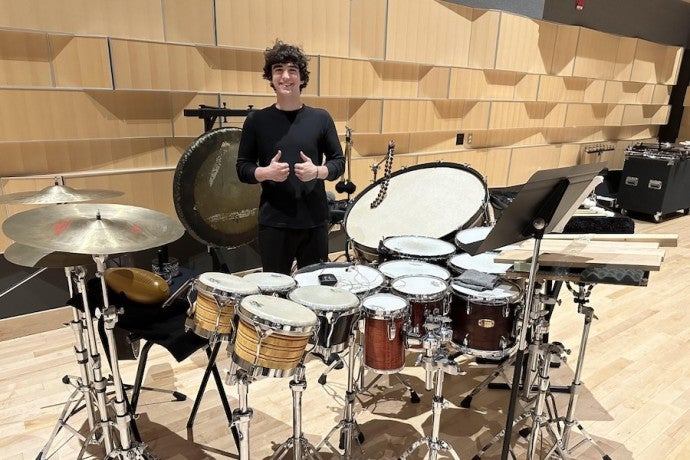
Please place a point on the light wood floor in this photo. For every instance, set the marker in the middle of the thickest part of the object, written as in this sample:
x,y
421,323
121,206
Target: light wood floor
x,y
636,400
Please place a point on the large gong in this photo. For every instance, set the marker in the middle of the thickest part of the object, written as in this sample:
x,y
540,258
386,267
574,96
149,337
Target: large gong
x,y
211,202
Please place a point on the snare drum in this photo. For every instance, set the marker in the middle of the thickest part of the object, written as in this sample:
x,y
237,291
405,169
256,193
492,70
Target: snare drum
x,y
431,199
337,311
416,247
272,335
361,280
483,321
396,268
270,283
426,294
216,296
384,344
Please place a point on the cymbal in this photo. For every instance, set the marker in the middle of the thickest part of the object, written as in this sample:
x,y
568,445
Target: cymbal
x,y
29,256
57,194
86,228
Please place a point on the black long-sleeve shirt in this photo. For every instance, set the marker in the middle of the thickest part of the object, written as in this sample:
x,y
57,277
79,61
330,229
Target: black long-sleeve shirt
x,y
292,203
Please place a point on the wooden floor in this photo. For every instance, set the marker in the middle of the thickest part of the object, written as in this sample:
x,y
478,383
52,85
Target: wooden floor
x,y
636,400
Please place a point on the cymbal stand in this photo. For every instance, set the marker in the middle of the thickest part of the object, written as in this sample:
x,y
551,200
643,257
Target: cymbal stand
x,y
581,299
500,370
127,449
436,363
242,416
301,447
349,429
82,384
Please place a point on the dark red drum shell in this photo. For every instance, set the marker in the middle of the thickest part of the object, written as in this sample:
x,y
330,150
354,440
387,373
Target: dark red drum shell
x,y
380,353
467,326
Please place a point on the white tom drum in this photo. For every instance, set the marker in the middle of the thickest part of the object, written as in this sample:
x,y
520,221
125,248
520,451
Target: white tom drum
x,y
427,295
271,283
217,295
416,247
337,311
384,345
392,269
272,335
361,280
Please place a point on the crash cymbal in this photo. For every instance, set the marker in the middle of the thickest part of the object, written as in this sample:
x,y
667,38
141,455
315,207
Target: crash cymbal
x,y
57,194
29,256
86,228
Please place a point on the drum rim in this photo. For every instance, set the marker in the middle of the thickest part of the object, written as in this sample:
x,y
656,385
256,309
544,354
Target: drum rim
x,y
289,281
381,278
443,164
285,329
421,262
397,313
403,255
492,301
428,296
353,306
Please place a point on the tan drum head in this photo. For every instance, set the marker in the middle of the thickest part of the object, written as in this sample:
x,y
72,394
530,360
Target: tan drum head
x,y
433,199
211,202
225,285
325,298
277,313
270,281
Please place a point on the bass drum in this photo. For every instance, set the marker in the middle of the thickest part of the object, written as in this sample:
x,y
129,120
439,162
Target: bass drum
x,y
211,202
432,199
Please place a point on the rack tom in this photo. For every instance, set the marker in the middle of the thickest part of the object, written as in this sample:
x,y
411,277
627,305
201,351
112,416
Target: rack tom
x,y
433,250
337,311
270,283
272,335
384,344
427,295
361,280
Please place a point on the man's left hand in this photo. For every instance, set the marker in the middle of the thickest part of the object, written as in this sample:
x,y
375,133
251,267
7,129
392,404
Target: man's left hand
x,y
307,170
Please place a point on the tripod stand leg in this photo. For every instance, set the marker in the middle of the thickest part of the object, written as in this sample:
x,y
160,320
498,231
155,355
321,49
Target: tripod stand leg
x,y
467,400
204,381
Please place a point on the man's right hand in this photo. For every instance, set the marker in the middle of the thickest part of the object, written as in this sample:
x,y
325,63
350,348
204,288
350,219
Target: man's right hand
x,y
276,171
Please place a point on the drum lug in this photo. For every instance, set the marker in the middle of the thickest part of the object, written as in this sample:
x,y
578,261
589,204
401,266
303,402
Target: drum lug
x,y
503,343
391,329
466,341
506,310
468,309
446,303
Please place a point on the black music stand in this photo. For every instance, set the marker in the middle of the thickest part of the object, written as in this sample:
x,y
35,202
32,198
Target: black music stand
x,y
545,202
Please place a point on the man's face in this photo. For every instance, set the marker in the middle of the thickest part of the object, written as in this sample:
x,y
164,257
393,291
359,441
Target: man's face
x,y
286,78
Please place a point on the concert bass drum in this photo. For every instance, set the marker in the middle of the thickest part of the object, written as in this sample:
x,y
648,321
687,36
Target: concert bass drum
x,y
432,199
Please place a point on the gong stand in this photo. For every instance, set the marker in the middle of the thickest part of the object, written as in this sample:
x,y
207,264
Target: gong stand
x,y
210,114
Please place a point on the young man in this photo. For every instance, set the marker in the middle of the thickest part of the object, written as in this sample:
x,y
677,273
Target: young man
x,y
283,148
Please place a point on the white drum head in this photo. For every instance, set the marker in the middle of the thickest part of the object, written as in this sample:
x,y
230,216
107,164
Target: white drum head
x,y
218,282
471,235
271,281
482,263
504,291
278,310
407,267
419,285
324,298
418,246
358,279
384,306
433,200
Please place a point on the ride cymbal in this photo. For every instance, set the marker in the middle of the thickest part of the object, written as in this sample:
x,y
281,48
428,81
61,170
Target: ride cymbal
x,y
92,228
29,256
57,194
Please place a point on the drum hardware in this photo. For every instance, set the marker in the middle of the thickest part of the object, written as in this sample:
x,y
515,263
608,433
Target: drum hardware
x,y
301,447
435,363
349,429
242,416
386,175
210,114
346,185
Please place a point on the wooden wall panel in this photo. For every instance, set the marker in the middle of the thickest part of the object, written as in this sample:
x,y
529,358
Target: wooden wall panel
x,y
80,62
506,137
526,87
372,145
491,164
564,50
645,115
141,19
84,115
593,115
525,44
526,161
368,28
370,79
433,142
189,21
318,27
35,158
428,32
24,59
365,115
596,54
569,155
662,94
482,84
510,115
433,82
619,92
564,89
408,116
656,63
484,39
624,58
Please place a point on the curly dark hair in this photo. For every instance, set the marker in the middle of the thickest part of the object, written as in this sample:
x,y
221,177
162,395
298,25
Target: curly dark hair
x,y
282,53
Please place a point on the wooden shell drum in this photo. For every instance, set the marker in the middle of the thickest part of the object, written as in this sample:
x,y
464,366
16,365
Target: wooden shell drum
x,y
427,295
393,269
216,297
337,311
272,335
484,321
432,199
384,344
277,284
432,250
361,280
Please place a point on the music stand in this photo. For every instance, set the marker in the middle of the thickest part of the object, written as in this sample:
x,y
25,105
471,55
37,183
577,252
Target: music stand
x,y
548,199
